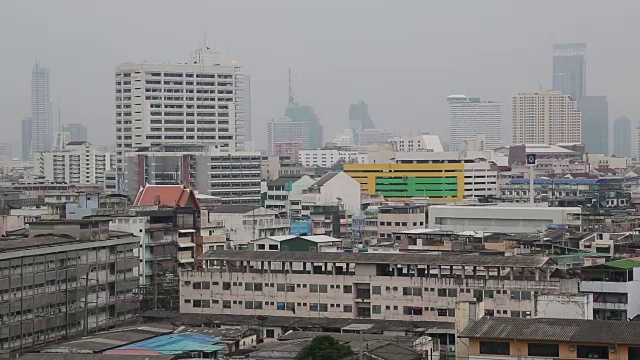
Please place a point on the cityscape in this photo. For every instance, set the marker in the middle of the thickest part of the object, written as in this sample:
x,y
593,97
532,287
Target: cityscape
x,y
254,207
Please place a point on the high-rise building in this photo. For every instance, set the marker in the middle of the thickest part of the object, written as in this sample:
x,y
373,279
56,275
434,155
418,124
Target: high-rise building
x,y
77,132
197,102
595,123
372,136
244,105
305,113
359,119
27,132
41,116
283,130
569,69
622,137
548,117
470,117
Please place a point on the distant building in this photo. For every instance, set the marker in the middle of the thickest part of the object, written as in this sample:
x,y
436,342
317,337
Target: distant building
x,y
546,118
622,137
328,157
41,111
570,69
283,130
595,123
290,149
470,117
373,136
78,163
27,124
245,223
423,142
77,132
359,119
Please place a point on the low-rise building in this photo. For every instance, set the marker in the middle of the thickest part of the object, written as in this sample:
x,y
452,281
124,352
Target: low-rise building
x,y
328,157
65,279
244,223
296,243
416,287
334,188
395,218
500,218
615,286
512,338
284,194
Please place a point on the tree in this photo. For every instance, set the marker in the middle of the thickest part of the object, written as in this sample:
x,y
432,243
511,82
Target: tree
x,y
324,347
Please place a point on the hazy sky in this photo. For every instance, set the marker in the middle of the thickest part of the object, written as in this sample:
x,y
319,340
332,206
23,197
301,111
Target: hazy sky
x,y
402,57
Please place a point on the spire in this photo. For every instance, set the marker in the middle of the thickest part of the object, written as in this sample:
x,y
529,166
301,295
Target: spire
x,y
291,97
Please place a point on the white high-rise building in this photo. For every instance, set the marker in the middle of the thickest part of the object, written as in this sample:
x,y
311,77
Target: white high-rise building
x,y
78,163
197,102
548,117
41,128
283,130
470,117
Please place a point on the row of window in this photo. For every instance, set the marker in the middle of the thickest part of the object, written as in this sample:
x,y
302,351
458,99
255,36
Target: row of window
x,y
546,350
348,289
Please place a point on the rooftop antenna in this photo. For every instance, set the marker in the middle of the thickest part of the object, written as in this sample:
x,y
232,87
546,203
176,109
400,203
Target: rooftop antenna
x,y
60,135
205,39
291,99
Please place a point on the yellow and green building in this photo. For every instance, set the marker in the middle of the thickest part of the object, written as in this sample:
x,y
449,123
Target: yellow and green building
x,y
438,182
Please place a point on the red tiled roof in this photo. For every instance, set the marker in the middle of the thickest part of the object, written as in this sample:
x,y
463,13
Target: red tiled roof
x,y
165,195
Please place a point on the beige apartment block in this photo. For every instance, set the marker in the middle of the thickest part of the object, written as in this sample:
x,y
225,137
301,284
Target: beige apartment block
x,y
412,287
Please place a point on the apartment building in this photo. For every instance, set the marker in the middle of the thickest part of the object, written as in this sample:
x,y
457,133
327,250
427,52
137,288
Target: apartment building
x,y
410,286
395,218
65,279
196,102
79,162
234,177
283,130
284,194
616,289
512,338
549,117
423,142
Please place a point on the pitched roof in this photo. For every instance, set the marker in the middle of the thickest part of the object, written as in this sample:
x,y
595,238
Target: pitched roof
x,y
284,179
233,209
556,330
325,179
624,264
165,195
77,143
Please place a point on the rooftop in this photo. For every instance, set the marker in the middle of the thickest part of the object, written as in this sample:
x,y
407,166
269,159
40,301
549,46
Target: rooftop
x,y
164,195
379,258
624,264
173,344
555,330
234,209
325,179
282,180
312,238
18,243
49,356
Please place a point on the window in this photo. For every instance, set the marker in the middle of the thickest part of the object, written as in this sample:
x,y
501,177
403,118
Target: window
x,y
322,289
197,285
376,290
442,292
347,289
206,303
376,309
261,247
197,303
226,285
592,352
273,247
206,285
415,291
313,288
281,287
494,348
347,308
488,312
270,334
452,292
634,353
412,310
544,350
488,294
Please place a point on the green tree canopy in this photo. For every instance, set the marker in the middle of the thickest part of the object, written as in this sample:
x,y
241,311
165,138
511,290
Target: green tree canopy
x,y
324,347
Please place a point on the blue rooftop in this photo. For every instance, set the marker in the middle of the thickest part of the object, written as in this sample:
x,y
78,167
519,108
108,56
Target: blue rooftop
x,y
175,344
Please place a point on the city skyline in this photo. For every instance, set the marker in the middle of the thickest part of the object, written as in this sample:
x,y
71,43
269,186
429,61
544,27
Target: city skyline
x,y
492,71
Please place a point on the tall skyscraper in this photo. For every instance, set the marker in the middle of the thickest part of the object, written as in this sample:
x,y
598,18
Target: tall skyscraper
x,y
470,117
283,130
595,123
41,116
77,132
197,102
546,118
359,119
569,69
27,132
305,113
622,137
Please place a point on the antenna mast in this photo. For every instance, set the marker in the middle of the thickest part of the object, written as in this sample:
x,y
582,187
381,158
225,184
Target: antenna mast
x,y
291,99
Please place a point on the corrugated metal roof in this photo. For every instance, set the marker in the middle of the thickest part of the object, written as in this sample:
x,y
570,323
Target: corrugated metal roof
x,y
377,258
624,264
46,356
175,344
556,330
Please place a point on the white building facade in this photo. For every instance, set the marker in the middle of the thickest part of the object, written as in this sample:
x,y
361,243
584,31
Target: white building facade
x,y
284,130
199,102
546,118
423,142
470,117
327,157
78,163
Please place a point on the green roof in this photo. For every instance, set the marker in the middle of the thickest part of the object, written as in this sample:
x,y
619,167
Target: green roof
x,y
623,264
